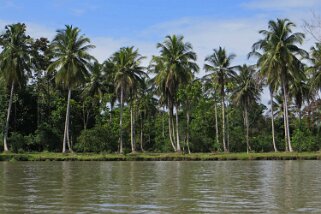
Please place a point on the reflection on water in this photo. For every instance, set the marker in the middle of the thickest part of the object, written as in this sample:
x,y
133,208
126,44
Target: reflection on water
x,y
161,187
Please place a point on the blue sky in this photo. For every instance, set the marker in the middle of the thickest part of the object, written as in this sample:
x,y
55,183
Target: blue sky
x,y
207,24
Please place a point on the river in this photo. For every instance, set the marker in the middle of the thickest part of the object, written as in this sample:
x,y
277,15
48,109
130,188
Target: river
x,y
161,187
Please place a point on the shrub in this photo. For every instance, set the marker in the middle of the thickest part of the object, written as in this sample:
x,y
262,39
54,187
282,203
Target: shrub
x,y
16,142
303,141
46,138
97,139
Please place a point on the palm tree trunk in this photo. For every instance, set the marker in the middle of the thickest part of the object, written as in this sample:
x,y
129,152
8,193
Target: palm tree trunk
x,y
163,123
246,122
132,129
300,118
84,116
223,124
5,145
285,130
287,118
227,127
309,114
216,125
141,133
111,110
272,121
121,120
178,147
66,131
187,131
170,124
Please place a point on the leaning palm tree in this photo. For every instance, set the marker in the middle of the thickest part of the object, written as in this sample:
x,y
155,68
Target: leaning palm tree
x,y
93,91
14,63
278,61
96,84
219,66
174,67
301,93
246,92
72,62
127,75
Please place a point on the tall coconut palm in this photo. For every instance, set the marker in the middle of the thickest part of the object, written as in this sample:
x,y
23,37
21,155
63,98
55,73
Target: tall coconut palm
x,y
72,62
315,69
93,92
127,75
278,61
314,74
14,63
246,92
219,66
301,93
174,67
96,84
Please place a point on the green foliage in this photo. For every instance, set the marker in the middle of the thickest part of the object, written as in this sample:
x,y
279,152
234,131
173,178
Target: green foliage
x,y
17,142
303,141
48,138
39,103
97,139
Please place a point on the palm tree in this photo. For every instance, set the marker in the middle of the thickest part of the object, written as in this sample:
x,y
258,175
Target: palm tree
x,y
301,92
174,67
147,107
314,72
14,64
96,84
278,61
93,92
72,62
246,92
128,75
218,64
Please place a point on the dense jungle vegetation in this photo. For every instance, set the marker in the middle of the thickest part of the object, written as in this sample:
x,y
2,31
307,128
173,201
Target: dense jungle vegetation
x,y
55,96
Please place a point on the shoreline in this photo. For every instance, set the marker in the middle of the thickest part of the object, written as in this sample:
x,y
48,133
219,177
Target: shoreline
x,y
44,156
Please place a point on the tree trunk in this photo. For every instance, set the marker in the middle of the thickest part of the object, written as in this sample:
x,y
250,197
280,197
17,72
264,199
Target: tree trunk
x,y
246,122
5,145
121,120
223,125
178,147
84,116
187,131
309,114
216,125
163,131
272,121
141,133
227,127
132,129
170,124
110,112
300,118
287,118
66,131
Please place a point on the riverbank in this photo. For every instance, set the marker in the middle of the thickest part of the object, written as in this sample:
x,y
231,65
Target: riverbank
x,y
158,156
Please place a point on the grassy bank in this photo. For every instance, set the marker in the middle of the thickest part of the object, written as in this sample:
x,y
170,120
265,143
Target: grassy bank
x,y
158,156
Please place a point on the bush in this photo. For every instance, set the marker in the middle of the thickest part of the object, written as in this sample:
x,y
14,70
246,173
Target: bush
x,y
46,138
262,143
16,142
97,139
303,141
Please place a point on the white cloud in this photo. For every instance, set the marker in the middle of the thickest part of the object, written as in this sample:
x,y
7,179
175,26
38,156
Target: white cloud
x,y
33,29
236,35
281,4
106,46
